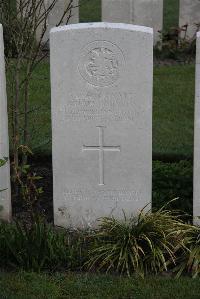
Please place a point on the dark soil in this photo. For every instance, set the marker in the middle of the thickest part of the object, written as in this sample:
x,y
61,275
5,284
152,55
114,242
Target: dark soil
x,y
171,62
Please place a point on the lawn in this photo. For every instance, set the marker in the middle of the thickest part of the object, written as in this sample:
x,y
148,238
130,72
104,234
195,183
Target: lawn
x,y
170,14
90,11
172,111
87,286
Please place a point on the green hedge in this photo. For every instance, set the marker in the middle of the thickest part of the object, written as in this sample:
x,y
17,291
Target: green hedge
x,y
173,180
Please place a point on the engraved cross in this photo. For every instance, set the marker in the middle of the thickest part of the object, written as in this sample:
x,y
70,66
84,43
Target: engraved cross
x,y
101,148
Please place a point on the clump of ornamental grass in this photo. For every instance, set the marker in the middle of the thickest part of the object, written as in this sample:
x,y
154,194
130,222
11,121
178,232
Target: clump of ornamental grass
x,y
143,245
188,260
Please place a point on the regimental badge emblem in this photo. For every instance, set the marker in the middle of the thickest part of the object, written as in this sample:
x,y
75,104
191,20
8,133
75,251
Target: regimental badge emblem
x,y
101,63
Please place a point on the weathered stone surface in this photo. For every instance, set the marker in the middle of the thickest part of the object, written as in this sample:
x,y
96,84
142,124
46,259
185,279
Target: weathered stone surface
x,y
189,13
149,13
196,192
139,12
101,79
5,196
117,11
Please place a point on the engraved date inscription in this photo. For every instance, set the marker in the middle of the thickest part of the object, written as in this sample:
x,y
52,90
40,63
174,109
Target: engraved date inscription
x,y
115,195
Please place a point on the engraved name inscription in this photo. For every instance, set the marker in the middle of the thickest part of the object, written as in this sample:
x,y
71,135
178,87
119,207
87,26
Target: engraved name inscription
x,y
100,106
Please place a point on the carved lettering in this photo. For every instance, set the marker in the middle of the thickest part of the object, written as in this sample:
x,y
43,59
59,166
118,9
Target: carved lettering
x,y
118,106
115,195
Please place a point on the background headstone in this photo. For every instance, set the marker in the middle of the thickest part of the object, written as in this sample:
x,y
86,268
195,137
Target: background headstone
x,y
5,196
56,14
117,11
101,80
196,201
189,13
139,12
149,13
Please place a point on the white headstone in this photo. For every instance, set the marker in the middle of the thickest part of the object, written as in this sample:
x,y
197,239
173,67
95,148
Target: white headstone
x,y
149,13
5,196
117,11
101,79
196,192
139,12
189,14
56,14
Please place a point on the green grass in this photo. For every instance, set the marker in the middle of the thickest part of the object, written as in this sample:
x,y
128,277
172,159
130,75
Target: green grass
x,y
40,116
90,11
87,286
170,14
172,111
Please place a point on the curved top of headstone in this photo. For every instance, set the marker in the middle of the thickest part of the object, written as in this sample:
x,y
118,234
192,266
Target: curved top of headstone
x,y
103,25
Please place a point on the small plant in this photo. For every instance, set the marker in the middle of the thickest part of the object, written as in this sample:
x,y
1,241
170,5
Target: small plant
x,y
3,161
40,246
26,180
188,260
150,244
176,44
33,248
142,245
